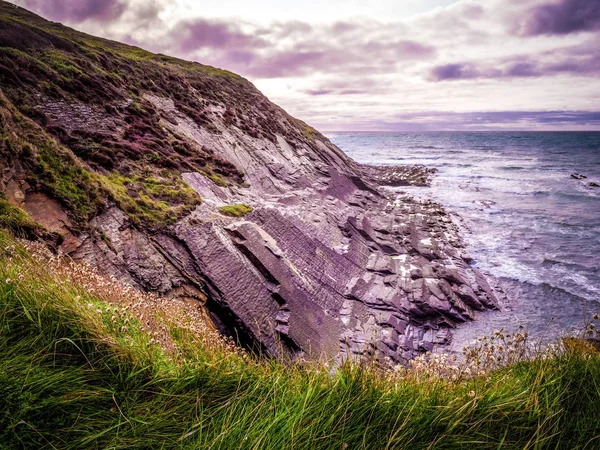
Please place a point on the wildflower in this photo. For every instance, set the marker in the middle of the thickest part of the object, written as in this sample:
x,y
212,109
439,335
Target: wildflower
x,y
123,329
471,393
8,281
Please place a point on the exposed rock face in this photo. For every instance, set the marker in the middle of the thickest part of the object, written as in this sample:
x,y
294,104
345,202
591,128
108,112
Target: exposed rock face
x,y
329,263
332,262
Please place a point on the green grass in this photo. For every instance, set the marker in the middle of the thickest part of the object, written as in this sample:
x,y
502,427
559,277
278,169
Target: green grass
x,y
61,63
66,178
55,168
159,201
309,132
71,377
215,178
17,221
237,210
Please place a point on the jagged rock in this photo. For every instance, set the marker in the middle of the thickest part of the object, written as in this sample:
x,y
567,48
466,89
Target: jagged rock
x,y
332,262
362,279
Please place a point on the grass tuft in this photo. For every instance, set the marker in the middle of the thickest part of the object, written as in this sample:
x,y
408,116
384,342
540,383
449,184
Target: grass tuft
x,y
151,201
237,210
17,221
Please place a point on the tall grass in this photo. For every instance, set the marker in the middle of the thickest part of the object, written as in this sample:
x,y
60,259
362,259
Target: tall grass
x,y
85,363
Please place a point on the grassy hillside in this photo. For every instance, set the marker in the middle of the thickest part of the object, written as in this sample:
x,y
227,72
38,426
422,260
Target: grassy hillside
x,y
87,363
75,116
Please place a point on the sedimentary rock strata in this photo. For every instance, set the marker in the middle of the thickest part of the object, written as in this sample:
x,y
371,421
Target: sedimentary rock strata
x,y
130,157
328,264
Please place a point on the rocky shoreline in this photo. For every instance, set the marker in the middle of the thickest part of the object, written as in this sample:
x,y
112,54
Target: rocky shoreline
x,y
189,183
349,271
329,264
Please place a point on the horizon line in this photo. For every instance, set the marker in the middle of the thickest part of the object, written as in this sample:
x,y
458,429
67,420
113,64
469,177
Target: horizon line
x,y
558,130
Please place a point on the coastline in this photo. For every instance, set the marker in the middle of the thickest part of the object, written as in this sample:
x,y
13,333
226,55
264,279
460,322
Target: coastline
x,y
460,335
527,221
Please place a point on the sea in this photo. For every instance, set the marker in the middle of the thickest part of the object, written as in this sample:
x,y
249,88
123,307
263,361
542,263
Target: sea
x,y
526,220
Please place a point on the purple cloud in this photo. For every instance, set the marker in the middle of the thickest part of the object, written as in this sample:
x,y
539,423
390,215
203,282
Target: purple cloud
x,y
522,69
215,34
318,92
77,10
348,86
479,121
566,61
563,17
259,56
471,71
455,71
289,49
283,49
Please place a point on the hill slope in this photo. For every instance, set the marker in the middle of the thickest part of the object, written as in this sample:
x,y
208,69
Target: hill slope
x,y
86,363
184,180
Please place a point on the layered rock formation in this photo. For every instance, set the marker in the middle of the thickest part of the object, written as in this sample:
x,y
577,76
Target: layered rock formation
x,y
331,262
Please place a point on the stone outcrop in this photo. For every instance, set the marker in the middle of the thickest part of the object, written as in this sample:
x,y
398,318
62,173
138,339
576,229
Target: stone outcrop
x,y
333,261
329,264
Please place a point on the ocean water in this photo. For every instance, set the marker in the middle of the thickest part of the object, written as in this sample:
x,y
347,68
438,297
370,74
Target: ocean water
x,y
526,220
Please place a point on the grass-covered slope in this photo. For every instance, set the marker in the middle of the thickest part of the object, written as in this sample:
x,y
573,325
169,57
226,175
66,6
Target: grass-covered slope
x,y
86,363
75,114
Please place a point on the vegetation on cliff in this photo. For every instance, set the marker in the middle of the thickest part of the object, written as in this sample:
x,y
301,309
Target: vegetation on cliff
x,y
88,363
238,210
74,110
16,220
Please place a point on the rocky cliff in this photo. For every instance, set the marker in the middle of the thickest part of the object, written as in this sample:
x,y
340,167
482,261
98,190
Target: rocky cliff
x,y
183,179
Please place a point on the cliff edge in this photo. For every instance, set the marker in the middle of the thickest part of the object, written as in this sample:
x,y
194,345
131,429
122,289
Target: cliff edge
x,y
183,179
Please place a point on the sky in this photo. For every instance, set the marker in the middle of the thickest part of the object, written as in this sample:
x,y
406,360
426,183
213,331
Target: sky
x,y
385,65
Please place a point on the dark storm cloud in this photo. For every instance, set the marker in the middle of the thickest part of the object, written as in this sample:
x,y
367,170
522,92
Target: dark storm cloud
x,y
77,10
562,17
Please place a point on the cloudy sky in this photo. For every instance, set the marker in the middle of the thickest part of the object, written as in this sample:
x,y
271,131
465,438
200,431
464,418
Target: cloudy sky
x,y
381,64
